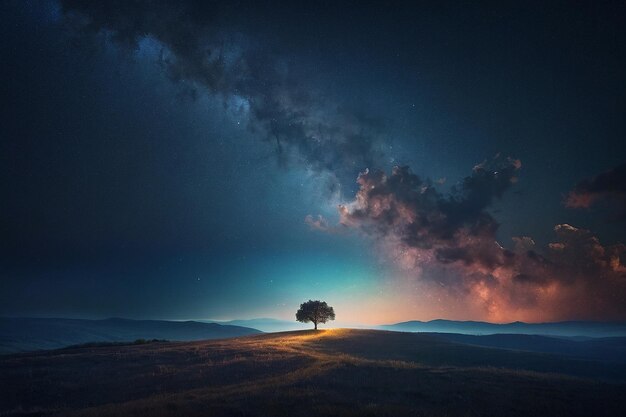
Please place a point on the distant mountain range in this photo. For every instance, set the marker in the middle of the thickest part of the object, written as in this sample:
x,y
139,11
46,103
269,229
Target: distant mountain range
x,y
26,334
271,325
579,329
565,328
264,324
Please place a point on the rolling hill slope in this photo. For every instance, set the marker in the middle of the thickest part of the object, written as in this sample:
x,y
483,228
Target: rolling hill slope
x,y
325,373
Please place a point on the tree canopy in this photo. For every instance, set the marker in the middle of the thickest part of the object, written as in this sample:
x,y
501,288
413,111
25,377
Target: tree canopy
x,y
315,312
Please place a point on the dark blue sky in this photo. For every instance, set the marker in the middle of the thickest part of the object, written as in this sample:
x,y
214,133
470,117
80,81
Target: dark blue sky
x,y
138,180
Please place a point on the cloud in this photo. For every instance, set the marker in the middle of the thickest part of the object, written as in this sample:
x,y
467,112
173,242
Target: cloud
x,y
450,241
321,224
405,205
609,186
203,44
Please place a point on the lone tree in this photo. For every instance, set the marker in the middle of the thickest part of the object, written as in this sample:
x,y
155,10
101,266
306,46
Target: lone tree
x,y
315,312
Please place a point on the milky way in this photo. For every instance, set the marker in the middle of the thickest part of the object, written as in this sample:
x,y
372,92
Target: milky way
x,y
449,239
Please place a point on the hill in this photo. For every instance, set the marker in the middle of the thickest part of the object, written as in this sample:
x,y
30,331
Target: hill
x,y
325,373
26,334
565,328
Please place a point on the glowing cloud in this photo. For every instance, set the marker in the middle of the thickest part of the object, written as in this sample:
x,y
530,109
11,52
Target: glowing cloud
x,y
450,241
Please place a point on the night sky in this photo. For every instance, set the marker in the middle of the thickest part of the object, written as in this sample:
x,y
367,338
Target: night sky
x,y
190,159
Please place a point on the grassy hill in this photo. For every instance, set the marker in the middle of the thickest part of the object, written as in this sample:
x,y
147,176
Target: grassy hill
x,y
325,373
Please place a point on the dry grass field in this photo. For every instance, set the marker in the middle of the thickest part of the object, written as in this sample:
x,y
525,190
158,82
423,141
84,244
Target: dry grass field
x,y
325,373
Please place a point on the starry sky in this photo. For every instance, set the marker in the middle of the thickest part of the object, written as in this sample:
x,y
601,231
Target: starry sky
x,y
187,160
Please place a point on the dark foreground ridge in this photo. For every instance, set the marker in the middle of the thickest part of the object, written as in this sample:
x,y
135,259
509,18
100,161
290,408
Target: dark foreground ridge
x,y
325,373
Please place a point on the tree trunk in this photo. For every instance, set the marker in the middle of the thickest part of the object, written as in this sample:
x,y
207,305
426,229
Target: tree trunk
x,y
315,323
